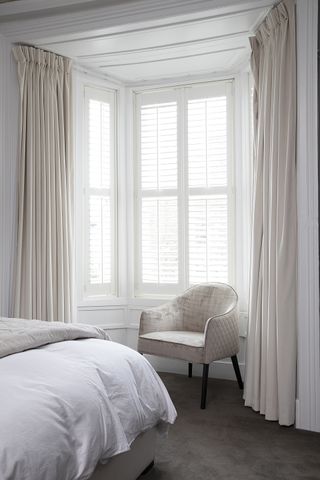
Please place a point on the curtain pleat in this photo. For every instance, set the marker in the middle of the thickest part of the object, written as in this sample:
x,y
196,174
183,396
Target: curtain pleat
x,y
270,386
44,260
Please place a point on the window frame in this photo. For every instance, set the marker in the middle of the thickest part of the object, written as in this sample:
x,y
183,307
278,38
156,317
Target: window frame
x,y
183,93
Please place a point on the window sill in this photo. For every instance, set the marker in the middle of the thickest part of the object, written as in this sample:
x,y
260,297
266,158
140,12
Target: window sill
x,y
102,303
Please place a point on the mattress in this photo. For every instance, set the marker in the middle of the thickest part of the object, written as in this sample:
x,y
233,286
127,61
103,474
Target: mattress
x,y
66,406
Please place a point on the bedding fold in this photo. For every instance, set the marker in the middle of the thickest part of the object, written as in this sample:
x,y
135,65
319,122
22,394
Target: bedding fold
x,y
18,335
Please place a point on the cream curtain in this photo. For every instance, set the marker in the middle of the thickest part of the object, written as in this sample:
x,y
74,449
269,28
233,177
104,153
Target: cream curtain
x,y
44,271
271,351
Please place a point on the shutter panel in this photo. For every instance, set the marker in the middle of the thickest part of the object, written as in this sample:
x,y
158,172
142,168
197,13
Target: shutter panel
x,y
208,213
159,212
207,142
100,155
208,239
99,144
158,146
100,240
159,240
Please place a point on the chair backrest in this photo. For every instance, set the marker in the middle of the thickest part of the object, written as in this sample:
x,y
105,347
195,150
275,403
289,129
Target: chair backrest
x,y
204,301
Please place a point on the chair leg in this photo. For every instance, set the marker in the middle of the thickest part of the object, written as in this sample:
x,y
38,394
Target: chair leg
x,y
237,371
204,385
190,370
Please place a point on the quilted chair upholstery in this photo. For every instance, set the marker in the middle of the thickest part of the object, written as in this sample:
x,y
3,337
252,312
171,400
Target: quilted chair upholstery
x,y
199,326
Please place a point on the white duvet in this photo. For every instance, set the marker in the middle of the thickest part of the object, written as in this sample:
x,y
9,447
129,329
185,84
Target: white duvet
x,y
66,406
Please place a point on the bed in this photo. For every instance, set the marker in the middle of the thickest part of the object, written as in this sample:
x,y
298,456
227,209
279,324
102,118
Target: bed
x,y
75,405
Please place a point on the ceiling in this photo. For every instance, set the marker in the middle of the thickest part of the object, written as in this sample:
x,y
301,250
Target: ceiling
x,y
11,8
204,42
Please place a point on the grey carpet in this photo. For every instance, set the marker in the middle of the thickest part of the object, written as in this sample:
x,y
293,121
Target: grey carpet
x,y
228,441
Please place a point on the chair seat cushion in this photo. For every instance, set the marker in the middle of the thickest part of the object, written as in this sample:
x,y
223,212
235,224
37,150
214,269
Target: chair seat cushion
x,y
191,339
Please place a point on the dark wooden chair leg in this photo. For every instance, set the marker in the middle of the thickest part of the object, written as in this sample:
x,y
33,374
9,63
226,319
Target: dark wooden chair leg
x,y
204,385
237,371
190,370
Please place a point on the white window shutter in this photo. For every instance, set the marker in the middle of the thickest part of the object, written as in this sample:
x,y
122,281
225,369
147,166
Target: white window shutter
x,y
207,142
99,240
159,240
158,146
184,188
208,239
208,190
158,196
99,191
99,144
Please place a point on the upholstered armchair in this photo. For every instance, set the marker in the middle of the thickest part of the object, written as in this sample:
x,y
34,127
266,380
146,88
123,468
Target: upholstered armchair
x,y
199,326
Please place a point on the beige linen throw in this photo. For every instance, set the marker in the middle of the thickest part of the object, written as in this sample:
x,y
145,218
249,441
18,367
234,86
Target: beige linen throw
x,y
18,335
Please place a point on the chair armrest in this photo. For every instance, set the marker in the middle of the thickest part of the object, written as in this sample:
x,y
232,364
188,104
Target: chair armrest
x,y
221,336
162,318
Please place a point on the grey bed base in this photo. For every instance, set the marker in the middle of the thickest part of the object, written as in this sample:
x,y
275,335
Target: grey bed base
x,y
130,465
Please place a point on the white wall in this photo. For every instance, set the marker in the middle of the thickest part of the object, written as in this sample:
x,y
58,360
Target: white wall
x,y
308,384
9,104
